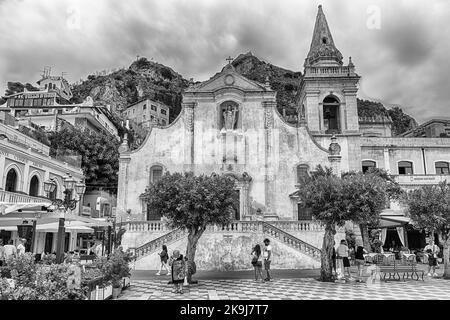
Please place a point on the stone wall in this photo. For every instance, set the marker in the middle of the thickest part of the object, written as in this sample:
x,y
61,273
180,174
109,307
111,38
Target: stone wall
x,y
229,252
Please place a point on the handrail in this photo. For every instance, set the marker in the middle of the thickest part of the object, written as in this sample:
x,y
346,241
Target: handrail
x,y
292,241
154,244
237,226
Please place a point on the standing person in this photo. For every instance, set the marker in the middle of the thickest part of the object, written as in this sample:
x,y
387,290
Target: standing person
x,y
267,254
257,262
343,252
178,271
164,256
10,250
21,247
432,250
2,253
359,260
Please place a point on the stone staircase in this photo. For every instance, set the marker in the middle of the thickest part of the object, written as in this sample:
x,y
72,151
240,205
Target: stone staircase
x,y
267,229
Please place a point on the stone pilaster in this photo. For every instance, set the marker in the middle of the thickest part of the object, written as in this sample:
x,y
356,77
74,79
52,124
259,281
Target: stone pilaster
x,y
334,157
189,118
269,178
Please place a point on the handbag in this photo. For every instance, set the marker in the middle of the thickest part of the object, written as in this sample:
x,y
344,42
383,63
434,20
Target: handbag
x,y
254,260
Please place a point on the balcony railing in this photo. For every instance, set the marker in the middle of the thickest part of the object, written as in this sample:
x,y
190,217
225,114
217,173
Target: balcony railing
x,y
329,71
12,197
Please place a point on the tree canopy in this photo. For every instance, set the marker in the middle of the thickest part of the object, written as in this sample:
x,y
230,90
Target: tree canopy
x,y
98,151
429,208
192,202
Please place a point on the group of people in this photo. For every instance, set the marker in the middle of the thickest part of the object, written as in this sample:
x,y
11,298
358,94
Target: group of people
x,y
341,260
179,267
9,250
262,258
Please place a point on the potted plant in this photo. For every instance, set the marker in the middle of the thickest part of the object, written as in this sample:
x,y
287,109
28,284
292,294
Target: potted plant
x,y
115,269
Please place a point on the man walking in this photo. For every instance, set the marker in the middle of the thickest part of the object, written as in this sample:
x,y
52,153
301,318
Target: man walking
x,y
432,250
267,255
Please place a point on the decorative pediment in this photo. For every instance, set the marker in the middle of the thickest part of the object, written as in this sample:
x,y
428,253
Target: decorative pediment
x,y
228,78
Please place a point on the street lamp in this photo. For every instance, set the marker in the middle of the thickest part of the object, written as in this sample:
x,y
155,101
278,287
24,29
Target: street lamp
x,y
68,203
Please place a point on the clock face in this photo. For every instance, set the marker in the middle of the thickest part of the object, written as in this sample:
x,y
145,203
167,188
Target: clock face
x,y
229,80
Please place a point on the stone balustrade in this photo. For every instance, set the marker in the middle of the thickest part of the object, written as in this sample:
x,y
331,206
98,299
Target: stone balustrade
x,y
12,197
142,226
327,71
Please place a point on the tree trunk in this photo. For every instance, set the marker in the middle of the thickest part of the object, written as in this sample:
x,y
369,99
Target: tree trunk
x,y
446,258
326,268
193,237
365,237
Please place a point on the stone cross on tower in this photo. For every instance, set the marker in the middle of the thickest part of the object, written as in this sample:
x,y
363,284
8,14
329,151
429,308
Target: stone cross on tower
x,y
229,59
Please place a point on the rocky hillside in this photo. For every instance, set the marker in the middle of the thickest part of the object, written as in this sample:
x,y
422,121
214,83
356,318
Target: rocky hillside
x,y
285,82
142,79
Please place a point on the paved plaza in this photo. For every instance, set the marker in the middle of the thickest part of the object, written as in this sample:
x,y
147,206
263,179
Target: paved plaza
x,y
289,285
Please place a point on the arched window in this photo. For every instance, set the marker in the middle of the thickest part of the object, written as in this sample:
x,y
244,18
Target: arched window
x,y
155,173
405,167
331,115
302,172
367,165
11,181
34,186
442,167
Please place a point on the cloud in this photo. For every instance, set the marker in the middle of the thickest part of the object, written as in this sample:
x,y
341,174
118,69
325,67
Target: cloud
x,y
404,62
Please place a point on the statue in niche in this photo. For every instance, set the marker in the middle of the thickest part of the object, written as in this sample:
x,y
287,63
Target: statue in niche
x,y
230,117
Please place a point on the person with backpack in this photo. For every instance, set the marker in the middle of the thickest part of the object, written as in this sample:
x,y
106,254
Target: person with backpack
x,y
178,271
432,250
257,262
164,256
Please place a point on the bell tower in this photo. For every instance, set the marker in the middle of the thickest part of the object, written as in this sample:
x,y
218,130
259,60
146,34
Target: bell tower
x,y
327,98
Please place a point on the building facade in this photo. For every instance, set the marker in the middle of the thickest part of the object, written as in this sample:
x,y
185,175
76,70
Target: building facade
x,y
148,113
25,164
51,103
230,125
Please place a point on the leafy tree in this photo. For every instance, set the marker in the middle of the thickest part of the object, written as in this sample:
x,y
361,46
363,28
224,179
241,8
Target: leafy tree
x,y
380,179
98,151
401,121
334,200
429,208
192,202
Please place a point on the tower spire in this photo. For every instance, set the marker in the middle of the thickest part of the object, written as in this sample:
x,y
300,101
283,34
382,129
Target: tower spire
x,y
322,48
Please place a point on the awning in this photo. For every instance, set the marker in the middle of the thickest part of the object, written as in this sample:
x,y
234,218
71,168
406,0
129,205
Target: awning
x,y
6,208
53,227
8,228
16,218
393,218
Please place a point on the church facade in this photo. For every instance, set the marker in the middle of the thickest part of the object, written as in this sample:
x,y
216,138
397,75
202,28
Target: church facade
x,y
230,125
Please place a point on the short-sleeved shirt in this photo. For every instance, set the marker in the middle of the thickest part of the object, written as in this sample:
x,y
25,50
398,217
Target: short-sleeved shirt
x,y
342,251
434,250
266,251
20,249
10,250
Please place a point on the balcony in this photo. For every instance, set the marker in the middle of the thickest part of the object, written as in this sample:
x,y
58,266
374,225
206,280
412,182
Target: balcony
x,y
421,179
329,71
12,197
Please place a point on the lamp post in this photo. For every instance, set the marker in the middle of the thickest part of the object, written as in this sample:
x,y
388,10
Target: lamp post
x,y
70,184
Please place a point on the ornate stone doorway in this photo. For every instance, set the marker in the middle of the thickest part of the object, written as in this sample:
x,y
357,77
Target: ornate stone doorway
x,y
241,203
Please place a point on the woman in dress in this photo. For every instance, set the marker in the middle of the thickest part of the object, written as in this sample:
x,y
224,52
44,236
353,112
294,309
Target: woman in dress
x,y
164,256
178,271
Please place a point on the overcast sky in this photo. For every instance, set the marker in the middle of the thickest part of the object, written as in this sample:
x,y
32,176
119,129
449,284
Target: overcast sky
x,y
400,48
